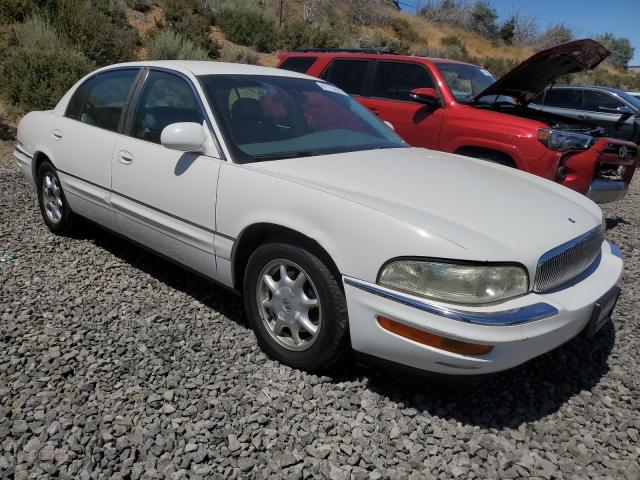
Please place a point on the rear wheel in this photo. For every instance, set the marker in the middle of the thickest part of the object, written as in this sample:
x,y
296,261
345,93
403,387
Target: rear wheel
x,y
296,307
53,204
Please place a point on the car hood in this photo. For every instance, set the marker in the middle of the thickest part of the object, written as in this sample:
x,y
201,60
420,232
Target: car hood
x,y
532,76
494,212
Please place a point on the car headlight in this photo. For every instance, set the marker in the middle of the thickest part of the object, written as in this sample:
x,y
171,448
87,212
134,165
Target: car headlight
x,y
563,141
453,282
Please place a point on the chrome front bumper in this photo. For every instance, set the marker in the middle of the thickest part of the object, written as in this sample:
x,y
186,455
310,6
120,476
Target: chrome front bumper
x,y
605,191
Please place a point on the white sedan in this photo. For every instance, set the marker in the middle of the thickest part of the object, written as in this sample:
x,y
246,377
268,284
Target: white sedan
x,y
339,236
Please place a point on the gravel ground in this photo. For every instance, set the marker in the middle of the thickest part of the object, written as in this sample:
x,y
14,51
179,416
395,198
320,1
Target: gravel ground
x,y
114,363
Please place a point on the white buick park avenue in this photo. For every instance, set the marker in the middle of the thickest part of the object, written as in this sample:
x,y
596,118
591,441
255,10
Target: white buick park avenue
x,y
339,236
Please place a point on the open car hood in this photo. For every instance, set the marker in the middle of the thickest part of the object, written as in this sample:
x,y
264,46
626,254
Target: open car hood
x,y
532,76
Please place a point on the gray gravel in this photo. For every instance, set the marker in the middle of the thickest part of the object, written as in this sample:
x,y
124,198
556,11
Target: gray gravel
x,y
114,363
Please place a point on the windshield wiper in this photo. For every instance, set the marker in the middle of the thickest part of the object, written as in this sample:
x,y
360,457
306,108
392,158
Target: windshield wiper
x,y
284,155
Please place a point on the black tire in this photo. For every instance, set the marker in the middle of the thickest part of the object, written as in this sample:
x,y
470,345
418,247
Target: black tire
x,y
332,342
66,219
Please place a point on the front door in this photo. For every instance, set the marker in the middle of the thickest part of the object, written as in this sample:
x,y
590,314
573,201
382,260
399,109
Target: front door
x,y
390,100
165,199
602,107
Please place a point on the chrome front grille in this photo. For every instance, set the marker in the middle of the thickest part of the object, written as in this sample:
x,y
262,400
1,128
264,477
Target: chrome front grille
x,y
566,262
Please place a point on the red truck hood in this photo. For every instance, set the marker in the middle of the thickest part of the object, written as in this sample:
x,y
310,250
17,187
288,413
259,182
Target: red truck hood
x,y
531,77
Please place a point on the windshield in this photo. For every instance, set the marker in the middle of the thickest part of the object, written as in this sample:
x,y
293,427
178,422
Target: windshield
x,y
266,117
465,81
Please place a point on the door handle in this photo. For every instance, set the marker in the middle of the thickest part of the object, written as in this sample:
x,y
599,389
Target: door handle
x,y
125,157
375,111
584,117
56,134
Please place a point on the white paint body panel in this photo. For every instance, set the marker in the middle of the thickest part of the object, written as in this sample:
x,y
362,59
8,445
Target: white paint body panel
x,y
363,208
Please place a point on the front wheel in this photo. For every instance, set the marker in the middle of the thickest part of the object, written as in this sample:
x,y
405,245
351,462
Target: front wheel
x,y
296,307
53,205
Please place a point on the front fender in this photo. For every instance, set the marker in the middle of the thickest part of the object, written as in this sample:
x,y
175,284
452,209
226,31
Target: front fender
x,y
359,239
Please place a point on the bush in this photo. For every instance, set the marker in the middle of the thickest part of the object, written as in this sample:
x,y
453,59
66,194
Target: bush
x,y
16,10
300,34
102,33
169,45
233,54
194,27
40,68
175,9
404,30
483,19
246,24
620,48
383,42
139,5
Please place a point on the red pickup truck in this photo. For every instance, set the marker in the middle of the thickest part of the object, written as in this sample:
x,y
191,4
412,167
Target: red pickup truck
x,y
461,108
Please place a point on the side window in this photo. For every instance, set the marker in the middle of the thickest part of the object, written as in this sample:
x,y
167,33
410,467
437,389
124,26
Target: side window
x,y
395,80
563,98
165,99
595,101
298,64
349,75
99,100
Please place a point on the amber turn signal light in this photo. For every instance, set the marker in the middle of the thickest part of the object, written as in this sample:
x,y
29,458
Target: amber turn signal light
x,y
432,340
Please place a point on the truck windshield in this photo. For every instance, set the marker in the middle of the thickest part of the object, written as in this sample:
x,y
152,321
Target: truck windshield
x,y
265,117
465,81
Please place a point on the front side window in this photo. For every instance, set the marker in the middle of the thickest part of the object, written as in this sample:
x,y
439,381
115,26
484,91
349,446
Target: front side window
x,y
563,98
267,117
395,80
99,101
165,99
465,81
596,101
349,75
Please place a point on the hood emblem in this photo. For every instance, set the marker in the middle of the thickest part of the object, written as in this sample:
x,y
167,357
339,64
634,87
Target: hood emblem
x,y
571,220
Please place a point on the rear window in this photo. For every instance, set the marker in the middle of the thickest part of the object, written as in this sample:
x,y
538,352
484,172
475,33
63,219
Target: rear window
x,y
349,75
298,64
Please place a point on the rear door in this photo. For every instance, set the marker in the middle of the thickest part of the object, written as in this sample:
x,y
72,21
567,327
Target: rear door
x,y
164,198
84,138
390,100
350,74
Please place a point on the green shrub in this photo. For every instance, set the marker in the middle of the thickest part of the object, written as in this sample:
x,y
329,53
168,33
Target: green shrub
x,y
233,54
245,23
404,30
169,45
383,42
299,34
175,9
455,49
104,38
40,68
139,5
16,10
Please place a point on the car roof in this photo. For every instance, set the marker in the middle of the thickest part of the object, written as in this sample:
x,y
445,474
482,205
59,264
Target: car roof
x,y
204,67
592,87
371,56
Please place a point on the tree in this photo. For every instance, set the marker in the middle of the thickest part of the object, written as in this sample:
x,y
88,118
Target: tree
x,y
620,48
507,30
483,19
555,35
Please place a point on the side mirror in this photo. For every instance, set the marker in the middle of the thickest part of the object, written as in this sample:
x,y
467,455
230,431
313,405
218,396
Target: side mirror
x,y
184,136
428,96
